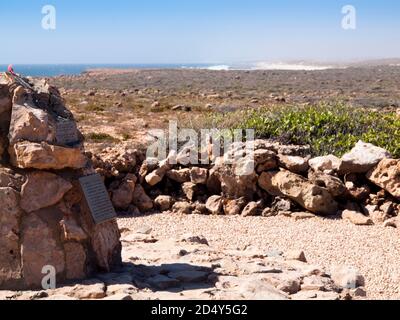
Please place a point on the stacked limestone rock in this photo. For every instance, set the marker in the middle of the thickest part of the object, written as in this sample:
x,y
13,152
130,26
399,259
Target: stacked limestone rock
x,y
44,217
363,186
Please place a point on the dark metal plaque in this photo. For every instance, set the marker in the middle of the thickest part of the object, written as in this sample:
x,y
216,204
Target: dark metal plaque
x,y
97,198
66,132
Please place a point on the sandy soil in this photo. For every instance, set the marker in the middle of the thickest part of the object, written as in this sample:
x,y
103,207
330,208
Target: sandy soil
x,y
374,250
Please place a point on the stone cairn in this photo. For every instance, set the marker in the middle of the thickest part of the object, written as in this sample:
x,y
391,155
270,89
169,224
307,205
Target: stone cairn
x,y
45,216
362,187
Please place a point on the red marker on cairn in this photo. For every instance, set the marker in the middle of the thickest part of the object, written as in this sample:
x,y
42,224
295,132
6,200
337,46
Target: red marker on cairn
x,y
11,69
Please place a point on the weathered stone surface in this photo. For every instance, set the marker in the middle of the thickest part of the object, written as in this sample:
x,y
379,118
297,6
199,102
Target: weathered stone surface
x,y
268,212
30,124
189,189
75,261
213,183
347,277
106,245
334,185
10,214
293,163
358,192
316,282
148,165
114,161
309,196
122,196
198,175
356,218
316,295
141,199
71,231
387,176
263,155
328,163
90,289
154,177
179,176
42,156
237,180
362,158
282,205
194,239
21,96
11,179
296,255
252,209
271,164
39,248
164,203
266,182
43,189
214,205
157,175
392,222
234,207
261,291
388,208
200,208
378,217
369,209
182,207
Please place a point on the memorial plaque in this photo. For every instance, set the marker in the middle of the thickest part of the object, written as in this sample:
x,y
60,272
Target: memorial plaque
x,y
66,132
97,198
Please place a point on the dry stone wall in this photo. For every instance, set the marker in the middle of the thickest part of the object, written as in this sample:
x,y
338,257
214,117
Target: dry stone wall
x,y
362,186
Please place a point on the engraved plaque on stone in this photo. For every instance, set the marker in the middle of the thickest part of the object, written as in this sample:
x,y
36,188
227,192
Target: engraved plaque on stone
x,y
66,132
97,198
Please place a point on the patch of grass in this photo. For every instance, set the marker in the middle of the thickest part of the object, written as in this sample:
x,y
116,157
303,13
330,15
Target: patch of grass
x,y
126,136
80,118
100,137
94,108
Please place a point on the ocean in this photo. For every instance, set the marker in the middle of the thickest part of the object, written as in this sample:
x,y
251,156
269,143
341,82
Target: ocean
x,y
51,70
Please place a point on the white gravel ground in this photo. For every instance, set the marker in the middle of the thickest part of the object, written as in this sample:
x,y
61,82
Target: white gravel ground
x,y
374,250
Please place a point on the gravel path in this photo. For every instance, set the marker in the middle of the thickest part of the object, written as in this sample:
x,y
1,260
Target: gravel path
x,y
374,250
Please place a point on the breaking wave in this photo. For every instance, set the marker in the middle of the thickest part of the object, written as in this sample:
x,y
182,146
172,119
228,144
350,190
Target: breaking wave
x,y
289,66
297,66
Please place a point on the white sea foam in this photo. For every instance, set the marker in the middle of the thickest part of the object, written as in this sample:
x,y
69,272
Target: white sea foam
x,y
222,67
267,66
289,66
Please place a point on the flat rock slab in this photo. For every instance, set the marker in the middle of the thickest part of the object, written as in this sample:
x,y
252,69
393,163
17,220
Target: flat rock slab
x,y
177,269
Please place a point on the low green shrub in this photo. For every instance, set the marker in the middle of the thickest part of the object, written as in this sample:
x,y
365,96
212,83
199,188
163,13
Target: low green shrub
x,y
100,137
327,128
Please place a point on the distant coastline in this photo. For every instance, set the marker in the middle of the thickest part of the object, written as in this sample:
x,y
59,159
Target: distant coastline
x,y
52,70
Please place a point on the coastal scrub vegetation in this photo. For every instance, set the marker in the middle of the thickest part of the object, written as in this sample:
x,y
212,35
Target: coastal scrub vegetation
x,y
327,128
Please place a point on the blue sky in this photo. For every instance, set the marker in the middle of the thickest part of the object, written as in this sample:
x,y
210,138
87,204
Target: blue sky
x,y
196,31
